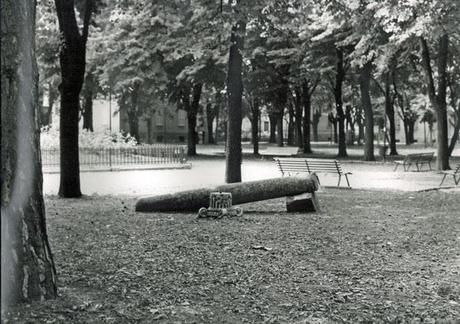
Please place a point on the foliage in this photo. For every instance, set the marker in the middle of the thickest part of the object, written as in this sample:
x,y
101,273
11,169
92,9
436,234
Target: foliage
x,y
49,139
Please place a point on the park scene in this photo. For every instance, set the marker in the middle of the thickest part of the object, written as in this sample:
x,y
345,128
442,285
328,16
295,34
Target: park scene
x,y
210,161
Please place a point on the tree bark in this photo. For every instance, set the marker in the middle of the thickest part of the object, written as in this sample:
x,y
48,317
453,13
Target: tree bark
x,y
72,57
298,117
27,265
255,125
209,120
233,156
133,116
47,112
291,125
438,100
306,99
279,129
339,78
272,119
88,94
193,200
192,113
364,85
315,123
390,113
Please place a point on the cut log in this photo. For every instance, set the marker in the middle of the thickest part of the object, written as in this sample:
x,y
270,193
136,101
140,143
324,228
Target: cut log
x,y
245,192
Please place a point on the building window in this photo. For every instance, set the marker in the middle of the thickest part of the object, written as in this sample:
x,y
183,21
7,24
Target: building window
x,y
181,116
266,126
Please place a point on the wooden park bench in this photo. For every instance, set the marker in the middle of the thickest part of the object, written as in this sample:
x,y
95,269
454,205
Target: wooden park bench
x,y
455,174
417,159
294,166
280,151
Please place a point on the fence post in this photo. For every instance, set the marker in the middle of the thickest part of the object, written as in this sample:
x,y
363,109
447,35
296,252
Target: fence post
x,y
110,158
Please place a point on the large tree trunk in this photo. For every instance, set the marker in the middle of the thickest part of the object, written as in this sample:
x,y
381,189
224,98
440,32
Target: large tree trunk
x,y
72,57
438,100
364,84
272,119
306,99
298,117
88,94
233,156
193,200
192,113
255,125
27,265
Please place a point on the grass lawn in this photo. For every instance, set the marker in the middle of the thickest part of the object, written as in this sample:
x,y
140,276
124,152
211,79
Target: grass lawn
x,y
368,256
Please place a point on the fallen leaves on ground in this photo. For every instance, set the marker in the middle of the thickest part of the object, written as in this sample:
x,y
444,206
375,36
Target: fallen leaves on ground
x,y
368,256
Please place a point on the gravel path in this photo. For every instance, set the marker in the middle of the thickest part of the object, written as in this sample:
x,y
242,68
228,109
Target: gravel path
x,y
212,172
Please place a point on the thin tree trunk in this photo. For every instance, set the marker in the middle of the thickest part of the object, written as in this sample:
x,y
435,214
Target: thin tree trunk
x,y
233,155
315,123
456,133
72,57
133,117
298,117
291,126
209,120
364,85
438,100
339,78
27,266
88,102
255,125
390,112
279,130
272,119
306,99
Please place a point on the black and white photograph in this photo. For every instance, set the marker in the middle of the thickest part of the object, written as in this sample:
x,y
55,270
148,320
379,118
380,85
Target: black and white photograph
x,y
230,161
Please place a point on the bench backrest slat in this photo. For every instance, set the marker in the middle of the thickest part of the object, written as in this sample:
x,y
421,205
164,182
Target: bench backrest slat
x,y
309,165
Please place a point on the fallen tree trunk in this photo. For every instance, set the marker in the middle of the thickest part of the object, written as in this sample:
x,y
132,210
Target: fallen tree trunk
x,y
193,200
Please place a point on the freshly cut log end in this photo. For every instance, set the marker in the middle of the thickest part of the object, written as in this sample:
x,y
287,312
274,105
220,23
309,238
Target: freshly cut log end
x,y
243,192
302,203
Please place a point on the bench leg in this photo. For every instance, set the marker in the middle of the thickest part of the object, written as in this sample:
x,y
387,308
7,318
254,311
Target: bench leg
x,y
443,178
396,166
340,178
348,182
457,181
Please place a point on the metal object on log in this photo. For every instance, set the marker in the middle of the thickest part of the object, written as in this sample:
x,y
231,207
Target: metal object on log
x,y
220,205
242,192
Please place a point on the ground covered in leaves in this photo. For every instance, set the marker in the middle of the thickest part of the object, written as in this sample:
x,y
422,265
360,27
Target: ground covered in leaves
x,y
368,256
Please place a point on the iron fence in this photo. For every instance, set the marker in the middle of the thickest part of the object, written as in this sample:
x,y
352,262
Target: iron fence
x,y
121,157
